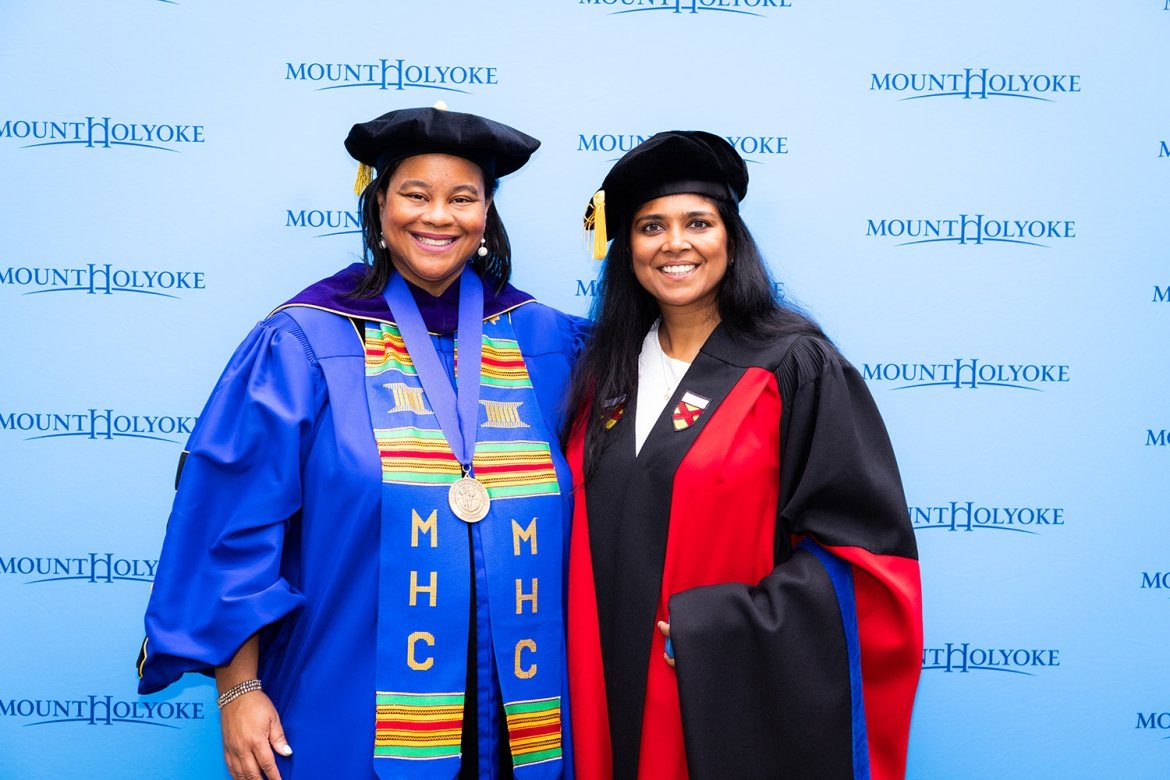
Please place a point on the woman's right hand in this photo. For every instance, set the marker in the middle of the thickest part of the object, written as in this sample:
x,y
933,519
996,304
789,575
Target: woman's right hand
x,y
251,732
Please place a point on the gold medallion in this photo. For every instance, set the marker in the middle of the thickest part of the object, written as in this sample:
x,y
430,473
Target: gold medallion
x,y
469,499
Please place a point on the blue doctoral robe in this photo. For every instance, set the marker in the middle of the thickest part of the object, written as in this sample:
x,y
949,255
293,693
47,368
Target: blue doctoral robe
x,y
275,526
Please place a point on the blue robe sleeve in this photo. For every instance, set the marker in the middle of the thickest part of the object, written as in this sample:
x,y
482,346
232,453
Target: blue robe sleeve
x,y
551,342
219,577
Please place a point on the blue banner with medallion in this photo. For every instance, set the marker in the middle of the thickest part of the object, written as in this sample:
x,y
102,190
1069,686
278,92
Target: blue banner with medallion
x,y
426,538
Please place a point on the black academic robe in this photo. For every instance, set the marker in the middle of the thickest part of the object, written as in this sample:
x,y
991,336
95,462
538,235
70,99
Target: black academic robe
x,y
764,519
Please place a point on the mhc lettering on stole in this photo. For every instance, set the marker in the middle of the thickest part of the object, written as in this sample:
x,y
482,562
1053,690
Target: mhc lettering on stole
x,y
430,525
527,534
431,590
411,642
521,596
420,526
522,672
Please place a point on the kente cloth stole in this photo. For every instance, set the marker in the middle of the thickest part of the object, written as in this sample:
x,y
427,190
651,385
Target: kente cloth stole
x,y
424,598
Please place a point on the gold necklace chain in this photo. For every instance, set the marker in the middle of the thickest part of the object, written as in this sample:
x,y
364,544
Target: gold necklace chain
x,y
668,371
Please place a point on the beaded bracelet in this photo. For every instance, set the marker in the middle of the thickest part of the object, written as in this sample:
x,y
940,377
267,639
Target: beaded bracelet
x,y
236,691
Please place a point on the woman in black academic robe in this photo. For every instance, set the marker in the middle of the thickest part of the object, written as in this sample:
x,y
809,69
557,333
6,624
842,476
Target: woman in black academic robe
x,y
744,596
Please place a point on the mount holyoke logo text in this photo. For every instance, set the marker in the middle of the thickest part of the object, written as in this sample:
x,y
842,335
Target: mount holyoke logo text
x,y
101,279
392,74
1155,580
97,424
102,133
93,568
330,222
102,710
969,516
749,146
965,657
972,230
977,84
967,373
1154,720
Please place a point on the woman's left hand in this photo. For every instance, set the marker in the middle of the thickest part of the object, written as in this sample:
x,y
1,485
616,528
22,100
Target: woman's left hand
x,y
664,629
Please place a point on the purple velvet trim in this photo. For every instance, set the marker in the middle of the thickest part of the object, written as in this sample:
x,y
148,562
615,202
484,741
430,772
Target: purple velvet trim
x,y
440,314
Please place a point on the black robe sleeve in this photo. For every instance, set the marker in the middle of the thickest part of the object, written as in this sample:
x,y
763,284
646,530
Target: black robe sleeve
x,y
812,672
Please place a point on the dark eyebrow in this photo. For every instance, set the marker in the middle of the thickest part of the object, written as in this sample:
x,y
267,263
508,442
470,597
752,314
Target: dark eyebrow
x,y
419,183
689,215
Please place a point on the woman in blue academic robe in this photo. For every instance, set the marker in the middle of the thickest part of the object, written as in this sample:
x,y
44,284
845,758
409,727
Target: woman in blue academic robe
x,y
367,543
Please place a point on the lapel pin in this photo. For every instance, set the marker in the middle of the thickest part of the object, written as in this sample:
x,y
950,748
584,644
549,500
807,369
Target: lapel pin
x,y
689,410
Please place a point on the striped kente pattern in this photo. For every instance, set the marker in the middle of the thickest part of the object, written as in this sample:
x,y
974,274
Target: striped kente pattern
x,y
503,365
418,726
511,469
534,730
386,351
508,469
414,456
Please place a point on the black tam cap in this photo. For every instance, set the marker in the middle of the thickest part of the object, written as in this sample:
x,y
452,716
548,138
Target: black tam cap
x,y
666,163
496,148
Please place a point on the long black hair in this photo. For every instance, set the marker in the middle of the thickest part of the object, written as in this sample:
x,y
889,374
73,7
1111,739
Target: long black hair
x,y
623,311
495,269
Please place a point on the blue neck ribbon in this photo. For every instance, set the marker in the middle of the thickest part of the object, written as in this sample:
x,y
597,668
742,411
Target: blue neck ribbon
x,y
457,416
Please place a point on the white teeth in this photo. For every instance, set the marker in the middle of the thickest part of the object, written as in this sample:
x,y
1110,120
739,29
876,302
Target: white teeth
x,y
434,241
678,269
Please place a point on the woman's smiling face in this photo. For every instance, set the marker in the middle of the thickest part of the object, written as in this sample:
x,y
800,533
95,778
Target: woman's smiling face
x,y
679,249
433,214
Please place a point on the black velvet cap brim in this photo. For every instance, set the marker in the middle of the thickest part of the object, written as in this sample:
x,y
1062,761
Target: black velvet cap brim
x,y
673,162
496,148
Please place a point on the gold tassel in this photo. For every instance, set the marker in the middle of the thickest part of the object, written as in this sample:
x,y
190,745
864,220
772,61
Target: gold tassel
x,y
595,219
365,175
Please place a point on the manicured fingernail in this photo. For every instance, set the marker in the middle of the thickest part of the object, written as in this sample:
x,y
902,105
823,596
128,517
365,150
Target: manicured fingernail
x,y
285,750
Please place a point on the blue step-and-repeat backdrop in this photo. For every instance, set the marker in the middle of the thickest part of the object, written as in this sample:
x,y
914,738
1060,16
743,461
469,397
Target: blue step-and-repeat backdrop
x,y
972,198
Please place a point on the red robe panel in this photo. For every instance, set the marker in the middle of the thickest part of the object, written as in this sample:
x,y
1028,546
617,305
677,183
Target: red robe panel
x,y
770,530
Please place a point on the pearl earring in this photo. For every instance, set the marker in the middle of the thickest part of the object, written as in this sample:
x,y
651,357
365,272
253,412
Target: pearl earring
x,y
483,250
